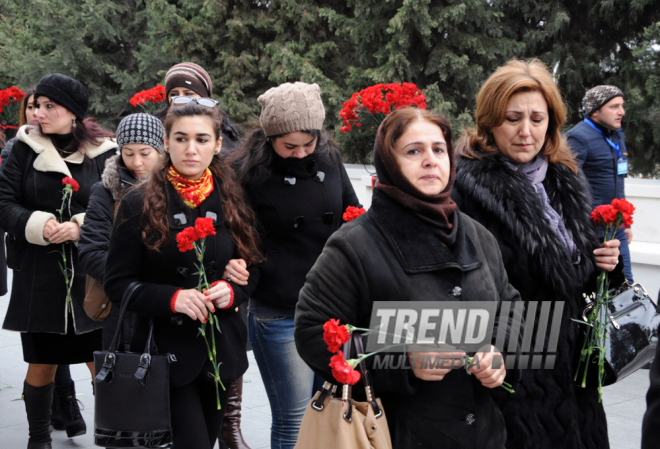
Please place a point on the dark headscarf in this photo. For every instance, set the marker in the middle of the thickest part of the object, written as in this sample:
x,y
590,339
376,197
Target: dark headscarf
x,y
436,211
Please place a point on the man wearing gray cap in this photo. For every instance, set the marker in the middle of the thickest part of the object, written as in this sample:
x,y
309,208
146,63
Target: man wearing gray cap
x,y
598,143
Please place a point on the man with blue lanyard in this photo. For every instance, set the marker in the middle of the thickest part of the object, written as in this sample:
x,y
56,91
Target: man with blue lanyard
x,y
598,143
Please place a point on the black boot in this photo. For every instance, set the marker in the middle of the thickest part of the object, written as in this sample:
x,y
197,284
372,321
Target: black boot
x,y
74,423
56,412
231,424
37,405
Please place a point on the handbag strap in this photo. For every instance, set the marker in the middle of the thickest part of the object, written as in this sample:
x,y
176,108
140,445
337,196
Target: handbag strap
x,y
353,348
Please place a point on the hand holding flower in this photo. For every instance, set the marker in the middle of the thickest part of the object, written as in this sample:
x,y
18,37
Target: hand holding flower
x,y
608,255
194,304
50,228
63,232
220,294
489,376
442,363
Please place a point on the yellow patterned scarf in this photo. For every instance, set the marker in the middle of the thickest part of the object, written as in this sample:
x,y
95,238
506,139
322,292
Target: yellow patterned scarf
x,y
193,193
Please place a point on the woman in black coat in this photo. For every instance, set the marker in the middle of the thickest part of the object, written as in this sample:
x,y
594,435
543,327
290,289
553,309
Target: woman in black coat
x,y
517,177
191,182
412,245
53,331
299,189
140,138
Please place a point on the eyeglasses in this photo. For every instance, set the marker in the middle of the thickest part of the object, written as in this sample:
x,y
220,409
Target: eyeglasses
x,y
206,102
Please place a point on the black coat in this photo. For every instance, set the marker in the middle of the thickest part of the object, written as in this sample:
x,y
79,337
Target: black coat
x,y
388,254
295,222
164,272
548,410
651,423
3,261
30,194
95,235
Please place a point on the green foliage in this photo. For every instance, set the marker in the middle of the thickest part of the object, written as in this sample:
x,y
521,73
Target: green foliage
x,y
446,47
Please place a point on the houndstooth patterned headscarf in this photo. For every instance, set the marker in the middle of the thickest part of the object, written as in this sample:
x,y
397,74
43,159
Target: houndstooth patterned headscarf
x,y
598,96
141,128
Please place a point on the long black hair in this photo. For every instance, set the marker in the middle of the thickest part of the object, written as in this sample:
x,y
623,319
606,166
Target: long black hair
x,y
253,158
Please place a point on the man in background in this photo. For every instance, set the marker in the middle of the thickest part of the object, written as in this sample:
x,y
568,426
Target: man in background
x,y
598,143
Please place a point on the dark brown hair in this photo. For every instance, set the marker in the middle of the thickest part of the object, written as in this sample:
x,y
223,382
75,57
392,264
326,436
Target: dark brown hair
x,y
253,157
512,78
22,118
239,216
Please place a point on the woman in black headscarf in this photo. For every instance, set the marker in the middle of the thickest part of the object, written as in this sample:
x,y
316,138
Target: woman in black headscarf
x,y
412,245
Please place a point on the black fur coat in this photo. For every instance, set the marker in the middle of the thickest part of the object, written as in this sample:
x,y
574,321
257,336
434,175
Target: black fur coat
x,y
547,410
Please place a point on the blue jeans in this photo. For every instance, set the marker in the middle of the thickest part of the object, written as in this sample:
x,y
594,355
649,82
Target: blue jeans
x,y
289,382
625,252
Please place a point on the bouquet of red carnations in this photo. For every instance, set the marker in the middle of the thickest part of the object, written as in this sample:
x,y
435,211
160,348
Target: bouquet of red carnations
x,y
611,217
365,110
149,99
10,106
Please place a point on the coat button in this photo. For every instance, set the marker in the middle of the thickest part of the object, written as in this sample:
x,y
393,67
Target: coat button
x,y
457,291
470,419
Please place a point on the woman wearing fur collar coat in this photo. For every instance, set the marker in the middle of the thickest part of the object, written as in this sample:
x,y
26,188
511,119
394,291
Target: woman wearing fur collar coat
x,y
517,177
64,144
140,138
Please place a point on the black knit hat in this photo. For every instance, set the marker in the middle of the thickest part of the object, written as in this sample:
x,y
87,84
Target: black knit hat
x,y
64,91
597,97
141,128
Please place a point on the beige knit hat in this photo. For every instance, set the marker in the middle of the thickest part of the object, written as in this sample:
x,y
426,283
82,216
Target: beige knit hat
x,y
291,107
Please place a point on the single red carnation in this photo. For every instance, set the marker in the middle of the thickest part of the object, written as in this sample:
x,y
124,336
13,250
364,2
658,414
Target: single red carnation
x,y
604,214
352,213
342,371
204,227
335,335
185,239
626,209
71,182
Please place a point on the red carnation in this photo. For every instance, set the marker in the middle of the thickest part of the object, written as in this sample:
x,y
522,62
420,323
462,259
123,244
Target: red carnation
x,y
626,208
335,335
604,214
185,239
352,213
204,227
342,370
67,181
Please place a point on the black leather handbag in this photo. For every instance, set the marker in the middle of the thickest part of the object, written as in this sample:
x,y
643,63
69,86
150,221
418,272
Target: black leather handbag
x,y
132,406
632,334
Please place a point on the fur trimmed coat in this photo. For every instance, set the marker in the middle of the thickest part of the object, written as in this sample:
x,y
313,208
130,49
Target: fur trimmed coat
x,y
548,409
30,194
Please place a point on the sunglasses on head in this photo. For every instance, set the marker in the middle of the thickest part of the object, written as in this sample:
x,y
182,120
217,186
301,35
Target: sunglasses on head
x,y
206,102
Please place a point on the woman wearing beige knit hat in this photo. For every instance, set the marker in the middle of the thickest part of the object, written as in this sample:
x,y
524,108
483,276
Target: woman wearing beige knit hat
x,y
299,189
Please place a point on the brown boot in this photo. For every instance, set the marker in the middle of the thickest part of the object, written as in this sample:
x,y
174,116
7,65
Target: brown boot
x,y
231,425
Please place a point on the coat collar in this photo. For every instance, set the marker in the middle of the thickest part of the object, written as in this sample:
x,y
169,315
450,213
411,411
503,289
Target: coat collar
x,y
415,246
511,202
49,160
116,178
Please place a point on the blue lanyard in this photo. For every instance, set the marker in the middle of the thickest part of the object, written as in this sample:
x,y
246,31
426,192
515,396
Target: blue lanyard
x,y
612,144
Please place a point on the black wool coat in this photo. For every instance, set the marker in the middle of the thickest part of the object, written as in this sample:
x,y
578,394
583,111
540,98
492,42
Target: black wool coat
x,y
388,254
163,272
548,410
295,221
30,194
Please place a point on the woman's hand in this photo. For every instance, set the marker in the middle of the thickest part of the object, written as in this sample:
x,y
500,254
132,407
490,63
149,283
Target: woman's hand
x,y
608,256
50,228
64,232
236,272
628,233
219,295
488,376
194,304
439,364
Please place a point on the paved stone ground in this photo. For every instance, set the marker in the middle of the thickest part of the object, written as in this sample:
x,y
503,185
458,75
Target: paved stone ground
x,y
624,402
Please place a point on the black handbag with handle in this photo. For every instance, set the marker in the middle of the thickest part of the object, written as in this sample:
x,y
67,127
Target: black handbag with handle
x,y
632,334
132,406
